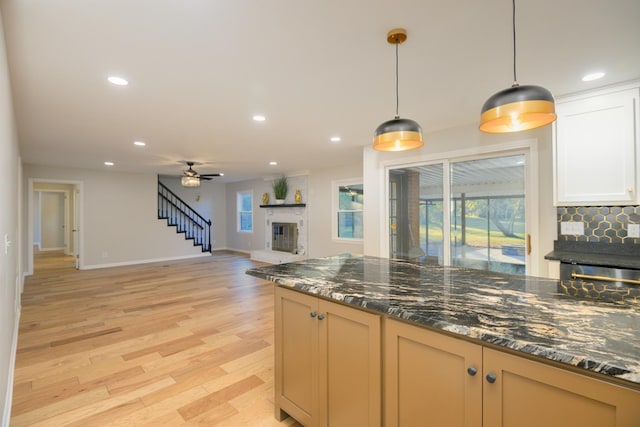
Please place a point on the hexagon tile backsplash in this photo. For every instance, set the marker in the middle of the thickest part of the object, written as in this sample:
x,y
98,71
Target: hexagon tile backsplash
x,y
607,224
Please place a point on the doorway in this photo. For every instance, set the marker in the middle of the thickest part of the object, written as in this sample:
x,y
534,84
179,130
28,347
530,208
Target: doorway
x,y
54,212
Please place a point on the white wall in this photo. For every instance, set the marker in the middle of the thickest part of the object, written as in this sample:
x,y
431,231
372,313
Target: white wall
x,y
118,217
10,270
320,215
209,200
316,193
246,242
467,138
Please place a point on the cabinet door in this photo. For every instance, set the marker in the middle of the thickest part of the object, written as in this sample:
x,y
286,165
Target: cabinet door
x,y
350,366
296,356
595,149
431,379
531,394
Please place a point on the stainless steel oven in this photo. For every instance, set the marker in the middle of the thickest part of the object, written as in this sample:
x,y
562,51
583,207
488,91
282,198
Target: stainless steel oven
x,y
603,283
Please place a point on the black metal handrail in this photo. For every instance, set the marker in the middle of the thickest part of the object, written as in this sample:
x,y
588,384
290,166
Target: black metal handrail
x,y
186,220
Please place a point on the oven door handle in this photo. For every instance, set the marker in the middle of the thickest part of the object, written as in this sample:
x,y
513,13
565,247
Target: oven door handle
x,y
604,278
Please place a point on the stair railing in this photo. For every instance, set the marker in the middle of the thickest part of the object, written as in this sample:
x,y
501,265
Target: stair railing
x,y
186,220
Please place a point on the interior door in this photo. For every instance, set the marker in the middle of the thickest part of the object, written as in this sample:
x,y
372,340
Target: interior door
x,y
76,226
68,239
52,220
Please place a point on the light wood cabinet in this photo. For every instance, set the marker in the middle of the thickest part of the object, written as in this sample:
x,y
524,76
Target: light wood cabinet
x,y
597,147
531,394
431,379
429,382
327,362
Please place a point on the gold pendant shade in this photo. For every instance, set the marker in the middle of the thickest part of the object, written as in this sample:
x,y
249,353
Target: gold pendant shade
x,y
517,108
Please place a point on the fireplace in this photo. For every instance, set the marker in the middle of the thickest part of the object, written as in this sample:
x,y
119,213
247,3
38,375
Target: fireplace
x,y
284,237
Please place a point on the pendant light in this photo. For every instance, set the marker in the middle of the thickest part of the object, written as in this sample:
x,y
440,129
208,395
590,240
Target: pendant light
x,y
397,134
517,108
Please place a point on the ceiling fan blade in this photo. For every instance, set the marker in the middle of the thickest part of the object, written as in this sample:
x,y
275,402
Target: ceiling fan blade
x,y
205,178
210,174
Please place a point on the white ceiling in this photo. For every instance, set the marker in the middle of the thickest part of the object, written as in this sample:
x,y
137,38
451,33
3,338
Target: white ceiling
x,y
199,69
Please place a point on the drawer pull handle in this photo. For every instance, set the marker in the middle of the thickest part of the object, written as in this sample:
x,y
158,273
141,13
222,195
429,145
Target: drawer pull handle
x,y
604,279
491,378
313,314
320,316
471,370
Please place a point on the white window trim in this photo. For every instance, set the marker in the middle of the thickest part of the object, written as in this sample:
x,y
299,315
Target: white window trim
x,y
335,189
238,211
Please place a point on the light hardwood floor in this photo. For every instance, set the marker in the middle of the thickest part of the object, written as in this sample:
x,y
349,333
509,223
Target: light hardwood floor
x,y
173,343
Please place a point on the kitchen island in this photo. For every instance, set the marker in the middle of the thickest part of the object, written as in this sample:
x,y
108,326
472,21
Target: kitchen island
x,y
523,316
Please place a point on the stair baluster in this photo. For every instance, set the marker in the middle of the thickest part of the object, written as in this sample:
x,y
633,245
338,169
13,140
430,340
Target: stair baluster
x,y
182,216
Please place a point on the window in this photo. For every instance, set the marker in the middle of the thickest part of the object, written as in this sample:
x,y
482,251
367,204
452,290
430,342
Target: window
x,y
348,200
468,213
245,211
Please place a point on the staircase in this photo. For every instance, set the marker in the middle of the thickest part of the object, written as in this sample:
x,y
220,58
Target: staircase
x,y
186,220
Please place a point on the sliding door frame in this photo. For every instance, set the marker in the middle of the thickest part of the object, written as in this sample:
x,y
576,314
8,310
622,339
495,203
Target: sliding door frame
x,y
528,148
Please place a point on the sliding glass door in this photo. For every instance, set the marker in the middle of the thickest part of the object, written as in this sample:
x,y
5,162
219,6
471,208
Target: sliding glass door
x,y
416,212
485,213
488,214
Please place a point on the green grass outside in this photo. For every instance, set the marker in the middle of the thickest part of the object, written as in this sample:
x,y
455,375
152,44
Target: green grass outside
x,y
476,234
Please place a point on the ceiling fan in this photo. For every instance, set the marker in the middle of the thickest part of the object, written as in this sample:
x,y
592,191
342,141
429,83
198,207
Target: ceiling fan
x,y
191,178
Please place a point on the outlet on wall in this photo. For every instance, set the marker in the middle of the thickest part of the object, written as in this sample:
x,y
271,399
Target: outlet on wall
x,y
571,228
633,230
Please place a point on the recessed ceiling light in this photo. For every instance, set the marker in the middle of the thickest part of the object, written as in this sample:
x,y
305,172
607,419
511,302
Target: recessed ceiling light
x,y
139,143
593,76
273,163
109,163
259,118
336,139
119,81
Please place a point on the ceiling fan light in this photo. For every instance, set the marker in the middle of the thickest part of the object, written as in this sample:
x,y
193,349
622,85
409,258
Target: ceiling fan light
x,y
190,181
398,135
516,109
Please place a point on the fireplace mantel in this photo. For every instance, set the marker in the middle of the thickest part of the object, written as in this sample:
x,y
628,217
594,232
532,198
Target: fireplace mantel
x,y
286,205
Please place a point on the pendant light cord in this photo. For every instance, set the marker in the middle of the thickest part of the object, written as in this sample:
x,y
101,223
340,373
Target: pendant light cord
x,y
397,85
513,20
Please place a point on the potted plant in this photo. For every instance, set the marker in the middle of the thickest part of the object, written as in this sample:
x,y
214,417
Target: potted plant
x,y
280,189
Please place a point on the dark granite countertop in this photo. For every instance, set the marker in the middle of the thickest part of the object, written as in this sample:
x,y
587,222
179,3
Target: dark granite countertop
x,y
596,253
526,314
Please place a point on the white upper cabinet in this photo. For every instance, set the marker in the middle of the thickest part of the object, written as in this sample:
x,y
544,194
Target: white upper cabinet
x,y
596,148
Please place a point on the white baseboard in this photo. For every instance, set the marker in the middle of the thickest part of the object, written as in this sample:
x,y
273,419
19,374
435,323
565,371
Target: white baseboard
x,y
6,413
143,261
242,251
275,257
